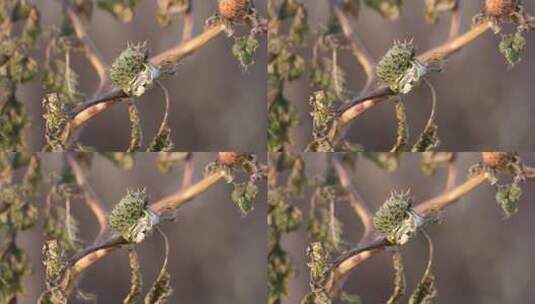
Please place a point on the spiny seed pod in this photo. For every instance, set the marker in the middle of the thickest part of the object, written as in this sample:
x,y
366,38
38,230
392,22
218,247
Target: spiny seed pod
x,y
399,67
389,218
234,9
228,158
500,8
132,72
496,159
131,216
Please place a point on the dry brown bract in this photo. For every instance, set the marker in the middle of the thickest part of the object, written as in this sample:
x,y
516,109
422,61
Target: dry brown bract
x,y
496,159
228,158
500,8
234,9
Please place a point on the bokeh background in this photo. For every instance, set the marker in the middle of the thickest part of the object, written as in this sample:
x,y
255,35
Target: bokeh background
x,y
482,104
216,254
480,257
209,92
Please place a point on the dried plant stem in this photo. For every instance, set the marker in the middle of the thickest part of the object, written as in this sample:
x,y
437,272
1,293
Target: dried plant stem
x,y
357,48
455,25
178,199
447,49
189,20
182,50
452,176
92,200
90,50
362,104
187,177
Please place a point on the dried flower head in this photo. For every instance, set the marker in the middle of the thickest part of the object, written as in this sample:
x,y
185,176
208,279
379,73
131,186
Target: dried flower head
x,y
496,160
500,8
132,217
234,9
395,220
228,158
132,72
392,213
399,67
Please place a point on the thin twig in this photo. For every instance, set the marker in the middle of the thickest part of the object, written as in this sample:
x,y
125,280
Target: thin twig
x,y
187,177
357,203
165,120
90,50
91,199
455,25
357,47
452,175
187,29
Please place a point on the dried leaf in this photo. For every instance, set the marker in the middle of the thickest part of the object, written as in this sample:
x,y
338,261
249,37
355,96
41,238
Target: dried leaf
x,y
390,9
403,127
400,284
170,8
512,46
244,195
428,139
135,278
167,160
136,133
124,160
244,49
508,197
120,9
425,292
161,289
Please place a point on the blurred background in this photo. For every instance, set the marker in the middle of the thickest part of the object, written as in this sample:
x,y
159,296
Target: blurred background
x,y
208,93
480,257
482,104
216,254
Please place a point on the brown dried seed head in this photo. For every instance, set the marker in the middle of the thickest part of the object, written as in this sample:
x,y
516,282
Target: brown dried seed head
x,y
500,8
233,9
496,159
228,158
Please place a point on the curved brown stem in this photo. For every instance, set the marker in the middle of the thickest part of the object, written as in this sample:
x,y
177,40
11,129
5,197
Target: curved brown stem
x,y
357,48
90,50
187,30
357,203
455,25
92,201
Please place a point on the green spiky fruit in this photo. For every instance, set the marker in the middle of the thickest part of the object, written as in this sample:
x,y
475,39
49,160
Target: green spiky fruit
x,y
131,70
132,217
392,214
